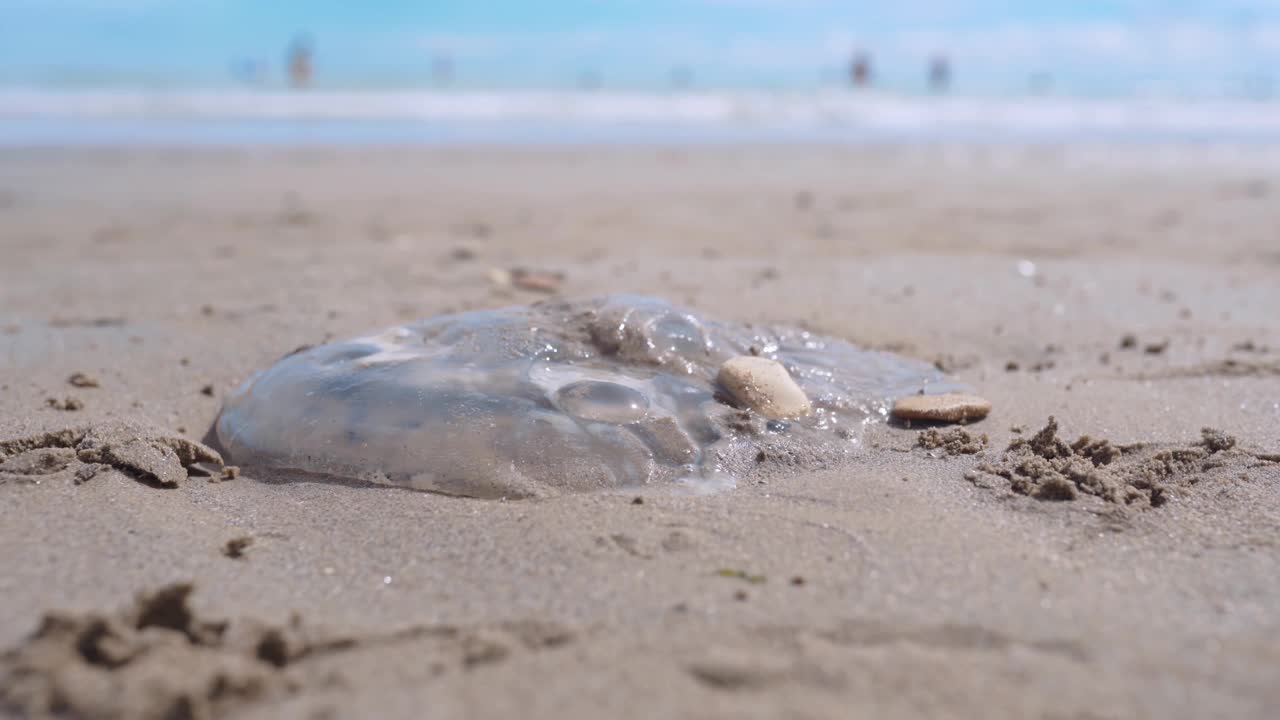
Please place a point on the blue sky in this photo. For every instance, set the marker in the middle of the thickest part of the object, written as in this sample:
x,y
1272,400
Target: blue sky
x,y
1204,47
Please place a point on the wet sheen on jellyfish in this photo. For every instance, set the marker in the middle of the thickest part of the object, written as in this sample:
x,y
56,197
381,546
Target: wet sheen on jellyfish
x,y
615,392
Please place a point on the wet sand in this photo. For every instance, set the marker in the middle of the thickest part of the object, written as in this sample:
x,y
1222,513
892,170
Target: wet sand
x,y
1130,293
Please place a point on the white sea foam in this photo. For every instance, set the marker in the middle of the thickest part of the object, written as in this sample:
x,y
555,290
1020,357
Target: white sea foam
x,y
828,113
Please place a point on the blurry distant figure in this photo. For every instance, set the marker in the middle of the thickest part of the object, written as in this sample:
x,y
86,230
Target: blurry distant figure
x,y
442,70
1260,86
300,69
860,70
681,77
1040,83
939,74
1265,88
249,71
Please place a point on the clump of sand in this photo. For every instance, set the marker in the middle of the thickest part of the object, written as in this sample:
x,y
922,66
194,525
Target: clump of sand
x,y
146,453
1046,467
155,659
955,441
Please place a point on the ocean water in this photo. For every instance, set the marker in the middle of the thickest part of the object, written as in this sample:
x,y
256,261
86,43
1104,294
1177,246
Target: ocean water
x,y
35,117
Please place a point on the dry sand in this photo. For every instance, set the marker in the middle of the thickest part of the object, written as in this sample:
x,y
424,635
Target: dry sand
x,y
912,583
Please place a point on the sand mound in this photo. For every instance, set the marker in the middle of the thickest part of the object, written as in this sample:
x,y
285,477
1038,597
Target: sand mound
x,y
143,452
1143,475
157,659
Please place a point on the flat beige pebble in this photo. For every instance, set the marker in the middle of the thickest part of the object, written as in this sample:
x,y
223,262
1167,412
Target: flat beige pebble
x,y
765,386
951,407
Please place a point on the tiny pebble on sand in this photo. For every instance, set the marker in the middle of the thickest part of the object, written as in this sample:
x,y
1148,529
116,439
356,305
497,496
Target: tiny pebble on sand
x,y
82,380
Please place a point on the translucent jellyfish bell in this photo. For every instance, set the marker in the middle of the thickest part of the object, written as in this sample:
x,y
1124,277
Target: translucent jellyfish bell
x,y
602,401
613,392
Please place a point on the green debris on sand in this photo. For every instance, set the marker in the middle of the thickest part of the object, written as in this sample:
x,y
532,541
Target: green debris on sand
x,y
741,575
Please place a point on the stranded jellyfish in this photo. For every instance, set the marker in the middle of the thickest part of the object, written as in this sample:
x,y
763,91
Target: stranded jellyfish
x,y
614,392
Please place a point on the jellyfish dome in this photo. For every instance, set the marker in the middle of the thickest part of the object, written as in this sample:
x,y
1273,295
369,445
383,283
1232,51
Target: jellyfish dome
x,y
614,392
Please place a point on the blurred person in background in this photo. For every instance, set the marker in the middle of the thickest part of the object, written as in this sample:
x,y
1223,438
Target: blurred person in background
x,y
299,63
939,74
860,70
442,70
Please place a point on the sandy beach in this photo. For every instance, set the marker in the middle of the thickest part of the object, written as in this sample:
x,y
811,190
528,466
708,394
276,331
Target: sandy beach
x,y
1128,292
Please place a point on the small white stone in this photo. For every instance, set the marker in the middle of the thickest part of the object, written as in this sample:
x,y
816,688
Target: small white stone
x,y
765,386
